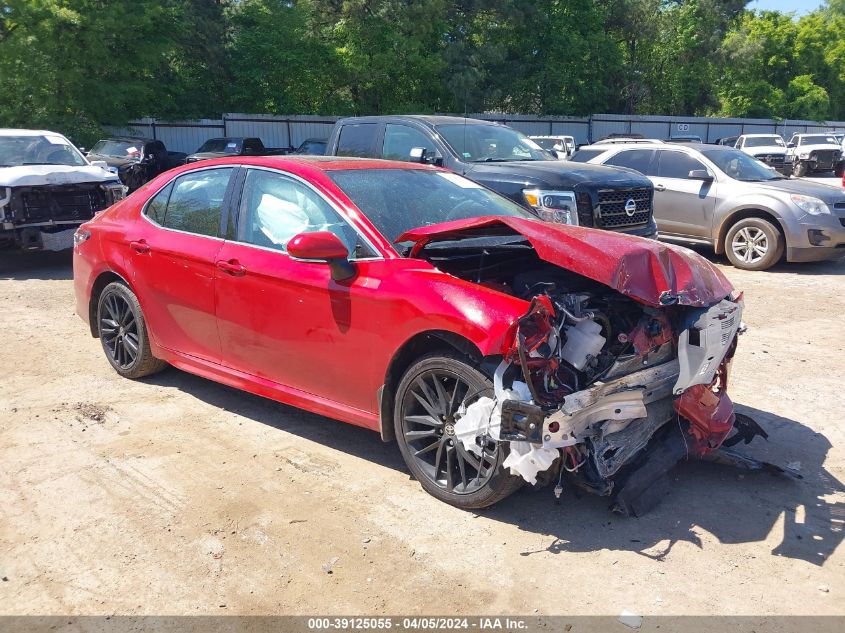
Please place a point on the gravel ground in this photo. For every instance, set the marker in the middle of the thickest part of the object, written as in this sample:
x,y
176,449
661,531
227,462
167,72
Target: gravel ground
x,y
175,495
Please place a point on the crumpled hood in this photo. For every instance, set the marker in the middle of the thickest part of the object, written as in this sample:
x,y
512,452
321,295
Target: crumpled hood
x,y
651,272
34,175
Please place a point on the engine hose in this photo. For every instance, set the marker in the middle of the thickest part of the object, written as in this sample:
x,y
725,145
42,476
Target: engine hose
x,y
526,373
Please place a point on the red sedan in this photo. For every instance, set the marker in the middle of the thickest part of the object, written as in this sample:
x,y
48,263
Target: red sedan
x,y
494,347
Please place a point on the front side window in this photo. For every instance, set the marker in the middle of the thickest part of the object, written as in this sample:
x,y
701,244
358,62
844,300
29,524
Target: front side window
x,y
357,140
481,143
677,165
399,140
195,202
221,146
637,159
275,208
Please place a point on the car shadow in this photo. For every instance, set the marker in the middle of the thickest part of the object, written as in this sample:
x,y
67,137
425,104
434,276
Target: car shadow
x,y
732,505
47,265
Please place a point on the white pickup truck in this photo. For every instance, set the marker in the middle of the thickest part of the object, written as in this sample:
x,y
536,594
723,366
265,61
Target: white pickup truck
x,y
814,152
47,189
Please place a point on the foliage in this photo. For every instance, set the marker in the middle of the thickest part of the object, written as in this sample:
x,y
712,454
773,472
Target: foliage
x,y
73,65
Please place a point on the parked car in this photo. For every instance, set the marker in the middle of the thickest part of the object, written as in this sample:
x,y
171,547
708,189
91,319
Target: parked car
x,y
47,189
561,147
234,146
685,138
506,161
312,147
808,153
722,197
135,160
407,299
767,148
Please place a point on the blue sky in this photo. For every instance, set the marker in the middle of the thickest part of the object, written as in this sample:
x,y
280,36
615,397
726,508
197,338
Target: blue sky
x,y
800,7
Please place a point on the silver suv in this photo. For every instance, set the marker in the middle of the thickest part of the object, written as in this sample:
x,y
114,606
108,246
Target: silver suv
x,y
717,195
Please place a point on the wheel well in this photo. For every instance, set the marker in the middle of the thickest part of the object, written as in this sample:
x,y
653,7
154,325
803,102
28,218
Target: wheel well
x,y
96,290
719,246
418,345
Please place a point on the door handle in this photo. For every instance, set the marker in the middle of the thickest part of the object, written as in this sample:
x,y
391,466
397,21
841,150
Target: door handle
x,y
660,187
140,246
232,267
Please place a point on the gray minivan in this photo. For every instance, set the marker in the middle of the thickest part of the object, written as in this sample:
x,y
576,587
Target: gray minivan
x,y
718,195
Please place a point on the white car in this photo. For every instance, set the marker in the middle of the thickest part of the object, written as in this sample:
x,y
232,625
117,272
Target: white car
x,y
562,146
48,188
767,148
814,152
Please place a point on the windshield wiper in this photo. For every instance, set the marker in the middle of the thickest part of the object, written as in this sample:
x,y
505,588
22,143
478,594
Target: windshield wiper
x,y
503,160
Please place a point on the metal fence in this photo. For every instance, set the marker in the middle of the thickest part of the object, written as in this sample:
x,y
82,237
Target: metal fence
x,y
291,130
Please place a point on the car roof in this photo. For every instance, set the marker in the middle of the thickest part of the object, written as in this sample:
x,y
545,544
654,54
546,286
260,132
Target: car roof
x,y
428,119
16,132
322,163
128,138
760,135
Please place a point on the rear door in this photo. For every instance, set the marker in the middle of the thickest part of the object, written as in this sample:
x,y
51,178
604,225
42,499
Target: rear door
x,y
682,206
360,140
172,258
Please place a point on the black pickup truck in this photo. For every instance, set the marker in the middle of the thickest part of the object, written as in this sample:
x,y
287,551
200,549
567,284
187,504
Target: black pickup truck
x,y
506,161
135,160
234,146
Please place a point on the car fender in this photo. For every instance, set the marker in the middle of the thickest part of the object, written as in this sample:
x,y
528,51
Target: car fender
x,y
763,204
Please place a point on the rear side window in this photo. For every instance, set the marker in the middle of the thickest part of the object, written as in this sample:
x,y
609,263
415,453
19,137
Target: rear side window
x,y
158,205
638,159
196,200
583,155
399,140
357,140
677,165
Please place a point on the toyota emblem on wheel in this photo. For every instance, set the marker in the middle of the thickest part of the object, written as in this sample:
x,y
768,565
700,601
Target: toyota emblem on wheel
x,y
630,207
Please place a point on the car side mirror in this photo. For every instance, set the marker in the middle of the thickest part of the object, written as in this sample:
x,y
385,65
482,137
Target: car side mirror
x,y
790,145
700,174
425,156
323,246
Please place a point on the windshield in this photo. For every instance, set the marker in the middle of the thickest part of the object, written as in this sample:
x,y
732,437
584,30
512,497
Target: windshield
x,y
491,143
583,155
740,166
818,139
315,148
398,200
221,145
119,149
763,141
46,149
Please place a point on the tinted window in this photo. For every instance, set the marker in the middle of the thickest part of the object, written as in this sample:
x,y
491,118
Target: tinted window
x,y
478,143
275,208
677,165
158,205
818,139
399,140
357,140
638,159
397,200
196,201
583,155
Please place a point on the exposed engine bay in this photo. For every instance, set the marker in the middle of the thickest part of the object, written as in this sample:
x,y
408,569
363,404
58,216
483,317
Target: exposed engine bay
x,y
595,384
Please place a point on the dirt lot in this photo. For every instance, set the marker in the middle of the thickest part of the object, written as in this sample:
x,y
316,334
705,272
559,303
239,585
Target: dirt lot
x,y
175,495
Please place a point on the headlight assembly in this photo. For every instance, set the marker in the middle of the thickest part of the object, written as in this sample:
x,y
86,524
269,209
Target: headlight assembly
x,y
553,206
810,205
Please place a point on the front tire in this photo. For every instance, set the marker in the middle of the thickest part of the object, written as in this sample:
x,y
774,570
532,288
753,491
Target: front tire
x,y
799,170
426,400
754,244
123,333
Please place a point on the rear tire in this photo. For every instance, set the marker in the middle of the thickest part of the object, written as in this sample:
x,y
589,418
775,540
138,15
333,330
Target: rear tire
x,y
839,170
429,394
123,333
754,244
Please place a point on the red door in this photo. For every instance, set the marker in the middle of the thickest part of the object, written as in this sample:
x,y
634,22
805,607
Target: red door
x,y
172,261
286,320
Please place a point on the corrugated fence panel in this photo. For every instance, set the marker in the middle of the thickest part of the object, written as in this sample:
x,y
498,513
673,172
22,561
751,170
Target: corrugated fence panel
x,y
291,130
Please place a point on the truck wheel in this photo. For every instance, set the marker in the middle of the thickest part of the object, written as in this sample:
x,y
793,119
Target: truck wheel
x,y
427,398
799,170
754,244
123,333
839,170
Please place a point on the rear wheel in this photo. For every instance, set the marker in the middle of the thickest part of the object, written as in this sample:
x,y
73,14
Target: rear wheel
x,y
753,244
123,333
799,170
429,395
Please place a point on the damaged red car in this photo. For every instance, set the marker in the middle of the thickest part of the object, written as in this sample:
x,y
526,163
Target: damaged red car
x,y
495,348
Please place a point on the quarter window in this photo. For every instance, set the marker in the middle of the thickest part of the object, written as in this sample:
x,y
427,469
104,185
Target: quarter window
x,y
399,140
196,201
275,208
677,165
158,205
